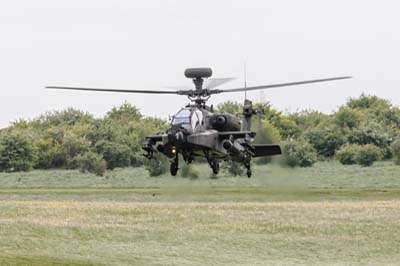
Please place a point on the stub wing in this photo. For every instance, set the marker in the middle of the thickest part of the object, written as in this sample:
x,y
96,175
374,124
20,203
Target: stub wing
x,y
266,150
154,138
235,134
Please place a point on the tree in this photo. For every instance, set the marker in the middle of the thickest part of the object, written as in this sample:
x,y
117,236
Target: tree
x,y
73,146
68,117
377,109
308,119
50,154
368,102
125,112
17,153
287,127
325,140
266,133
348,118
372,132
230,107
396,150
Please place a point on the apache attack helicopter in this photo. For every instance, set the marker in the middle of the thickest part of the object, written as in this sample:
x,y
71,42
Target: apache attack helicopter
x,y
197,131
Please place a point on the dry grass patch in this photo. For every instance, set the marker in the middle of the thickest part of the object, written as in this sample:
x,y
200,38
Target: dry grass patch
x,y
196,233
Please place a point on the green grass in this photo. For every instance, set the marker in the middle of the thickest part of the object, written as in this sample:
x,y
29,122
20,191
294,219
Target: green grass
x,y
325,215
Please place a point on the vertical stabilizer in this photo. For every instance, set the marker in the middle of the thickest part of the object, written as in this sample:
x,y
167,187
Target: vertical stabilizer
x,y
247,114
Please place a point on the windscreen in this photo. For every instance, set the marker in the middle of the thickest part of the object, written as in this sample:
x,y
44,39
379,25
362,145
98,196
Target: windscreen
x,y
182,117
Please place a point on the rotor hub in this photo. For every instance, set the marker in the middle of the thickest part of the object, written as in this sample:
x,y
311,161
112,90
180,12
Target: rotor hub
x,y
200,95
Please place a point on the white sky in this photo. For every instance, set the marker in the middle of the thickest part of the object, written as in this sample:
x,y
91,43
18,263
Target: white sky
x,y
148,44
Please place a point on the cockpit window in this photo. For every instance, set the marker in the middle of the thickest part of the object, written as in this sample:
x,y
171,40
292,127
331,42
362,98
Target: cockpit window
x,y
182,117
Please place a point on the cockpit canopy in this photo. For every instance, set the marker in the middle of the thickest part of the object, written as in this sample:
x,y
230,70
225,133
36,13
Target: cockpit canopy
x,y
191,117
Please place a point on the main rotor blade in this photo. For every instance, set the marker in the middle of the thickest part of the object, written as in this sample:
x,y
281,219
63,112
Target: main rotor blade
x,y
182,87
215,82
112,90
280,85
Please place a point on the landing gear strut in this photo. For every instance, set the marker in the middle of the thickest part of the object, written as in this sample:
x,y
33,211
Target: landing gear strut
x,y
215,166
174,166
248,172
214,163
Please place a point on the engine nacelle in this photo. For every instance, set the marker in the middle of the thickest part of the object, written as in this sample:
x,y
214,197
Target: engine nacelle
x,y
225,122
234,149
227,144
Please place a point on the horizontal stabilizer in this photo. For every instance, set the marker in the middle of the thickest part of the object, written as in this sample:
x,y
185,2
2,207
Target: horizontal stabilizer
x,y
266,150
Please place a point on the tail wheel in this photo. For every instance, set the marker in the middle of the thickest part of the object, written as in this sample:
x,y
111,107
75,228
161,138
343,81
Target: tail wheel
x,y
174,168
248,167
215,167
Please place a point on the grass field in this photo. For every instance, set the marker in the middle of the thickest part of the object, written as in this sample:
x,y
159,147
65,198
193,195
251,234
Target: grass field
x,y
325,215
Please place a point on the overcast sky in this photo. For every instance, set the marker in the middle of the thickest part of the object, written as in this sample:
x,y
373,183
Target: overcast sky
x,y
148,44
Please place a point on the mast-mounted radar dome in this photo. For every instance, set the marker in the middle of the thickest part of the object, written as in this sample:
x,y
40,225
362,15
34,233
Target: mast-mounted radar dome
x,y
198,73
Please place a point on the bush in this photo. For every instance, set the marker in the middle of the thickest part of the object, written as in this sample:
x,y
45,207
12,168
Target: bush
x,y
115,154
187,170
298,153
92,163
232,168
396,151
17,153
348,154
157,166
368,154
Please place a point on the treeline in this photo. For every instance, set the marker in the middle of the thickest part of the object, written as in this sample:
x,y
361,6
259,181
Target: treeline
x,y
73,139
362,131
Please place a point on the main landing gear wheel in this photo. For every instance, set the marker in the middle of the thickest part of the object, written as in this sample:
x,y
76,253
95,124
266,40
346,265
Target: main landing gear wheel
x,y
215,166
247,165
173,168
248,173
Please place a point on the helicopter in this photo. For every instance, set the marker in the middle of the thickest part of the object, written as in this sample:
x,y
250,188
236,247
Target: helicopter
x,y
197,131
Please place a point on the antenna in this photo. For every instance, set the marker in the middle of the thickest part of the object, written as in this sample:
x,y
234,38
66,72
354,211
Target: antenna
x,y
245,81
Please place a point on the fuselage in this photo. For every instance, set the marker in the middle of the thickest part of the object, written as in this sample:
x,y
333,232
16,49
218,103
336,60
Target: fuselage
x,y
195,130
